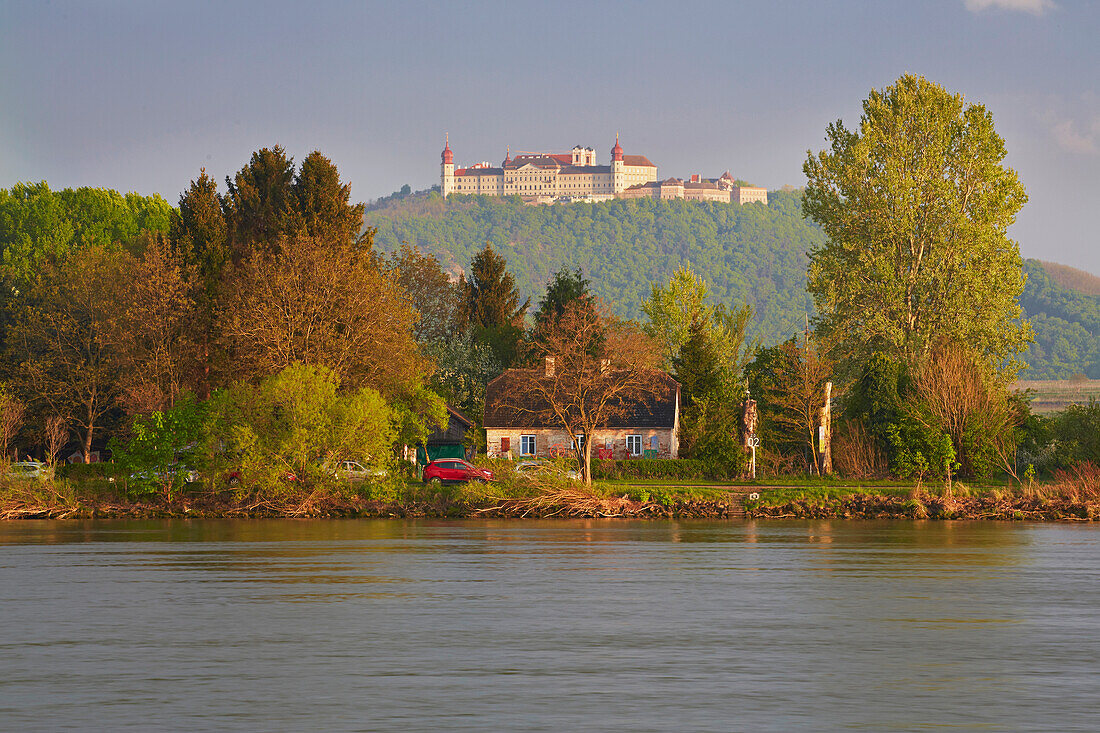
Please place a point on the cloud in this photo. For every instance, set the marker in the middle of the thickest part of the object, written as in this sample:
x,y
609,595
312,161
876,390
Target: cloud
x,y
1068,138
1035,7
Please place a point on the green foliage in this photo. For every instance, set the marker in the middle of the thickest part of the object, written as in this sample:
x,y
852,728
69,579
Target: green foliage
x,y
463,368
915,206
38,225
1066,324
295,422
563,288
751,254
491,306
1075,435
163,446
709,396
665,468
917,451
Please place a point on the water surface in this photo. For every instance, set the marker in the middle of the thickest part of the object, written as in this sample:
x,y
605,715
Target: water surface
x,y
548,626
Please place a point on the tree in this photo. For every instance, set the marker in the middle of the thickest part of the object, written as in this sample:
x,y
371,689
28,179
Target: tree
x,y
60,348
429,291
199,231
463,368
587,390
322,202
296,421
12,411
153,328
563,288
788,382
915,206
491,306
324,303
709,399
672,309
259,205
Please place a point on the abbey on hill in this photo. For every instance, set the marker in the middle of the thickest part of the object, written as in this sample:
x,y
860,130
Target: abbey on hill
x,y
543,178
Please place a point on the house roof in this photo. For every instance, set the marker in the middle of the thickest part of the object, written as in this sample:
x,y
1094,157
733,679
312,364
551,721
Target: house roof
x,y
503,408
637,160
479,172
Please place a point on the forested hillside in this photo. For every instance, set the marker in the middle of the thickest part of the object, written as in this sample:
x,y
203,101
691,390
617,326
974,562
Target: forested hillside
x,y
1066,324
749,254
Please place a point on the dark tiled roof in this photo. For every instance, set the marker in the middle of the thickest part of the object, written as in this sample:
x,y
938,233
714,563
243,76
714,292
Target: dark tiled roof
x,y
637,160
539,161
480,172
586,169
701,184
501,410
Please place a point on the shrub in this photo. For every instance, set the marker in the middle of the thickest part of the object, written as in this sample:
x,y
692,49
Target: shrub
x,y
690,469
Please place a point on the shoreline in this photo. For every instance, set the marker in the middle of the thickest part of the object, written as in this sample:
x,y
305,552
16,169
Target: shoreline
x,y
573,503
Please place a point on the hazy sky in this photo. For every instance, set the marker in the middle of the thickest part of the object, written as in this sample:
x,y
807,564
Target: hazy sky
x,y
141,95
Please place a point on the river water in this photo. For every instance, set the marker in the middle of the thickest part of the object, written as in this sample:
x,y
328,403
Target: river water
x,y
394,625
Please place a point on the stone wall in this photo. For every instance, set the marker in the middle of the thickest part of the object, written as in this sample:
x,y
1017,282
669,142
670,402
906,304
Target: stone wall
x,y
550,442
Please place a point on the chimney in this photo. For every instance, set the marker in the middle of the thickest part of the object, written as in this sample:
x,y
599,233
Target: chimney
x,y
549,366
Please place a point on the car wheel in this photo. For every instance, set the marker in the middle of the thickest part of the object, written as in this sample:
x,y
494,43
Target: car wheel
x,y
435,482
482,480
234,482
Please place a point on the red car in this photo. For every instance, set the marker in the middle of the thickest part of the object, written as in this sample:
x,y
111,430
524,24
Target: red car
x,y
453,470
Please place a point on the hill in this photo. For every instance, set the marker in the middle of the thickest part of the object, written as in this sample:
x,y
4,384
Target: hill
x,y
753,253
749,254
1071,278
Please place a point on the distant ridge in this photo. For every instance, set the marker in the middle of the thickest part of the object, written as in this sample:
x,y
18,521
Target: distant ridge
x,y
755,254
1072,278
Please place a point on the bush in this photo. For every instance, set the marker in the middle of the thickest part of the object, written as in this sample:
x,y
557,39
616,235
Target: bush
x,y
84,471
689,469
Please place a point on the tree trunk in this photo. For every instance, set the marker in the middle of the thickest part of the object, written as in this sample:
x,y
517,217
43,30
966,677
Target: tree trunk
x,y
587,467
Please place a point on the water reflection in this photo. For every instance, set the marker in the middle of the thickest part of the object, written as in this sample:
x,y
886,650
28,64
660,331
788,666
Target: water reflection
x,y
547,625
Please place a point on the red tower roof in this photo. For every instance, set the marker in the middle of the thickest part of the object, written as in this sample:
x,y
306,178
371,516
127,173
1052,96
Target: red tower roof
x,y
617,151
448,156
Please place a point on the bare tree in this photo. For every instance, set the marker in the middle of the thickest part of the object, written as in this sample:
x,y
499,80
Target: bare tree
x,y
61,341
321,303
11,419
57,435
596,368
797,391
153,328
958,393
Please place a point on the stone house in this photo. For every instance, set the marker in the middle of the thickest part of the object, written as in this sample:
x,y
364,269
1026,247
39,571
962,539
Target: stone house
x,y
649,428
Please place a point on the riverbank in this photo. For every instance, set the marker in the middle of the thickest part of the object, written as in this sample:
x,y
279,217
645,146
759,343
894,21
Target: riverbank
x,y
1072,498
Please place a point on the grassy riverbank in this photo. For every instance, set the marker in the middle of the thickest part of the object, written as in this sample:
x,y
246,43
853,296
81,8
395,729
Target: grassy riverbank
x,y
1073,496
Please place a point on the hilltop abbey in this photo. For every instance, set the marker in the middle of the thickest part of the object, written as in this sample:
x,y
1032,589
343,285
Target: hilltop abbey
x,y
540,178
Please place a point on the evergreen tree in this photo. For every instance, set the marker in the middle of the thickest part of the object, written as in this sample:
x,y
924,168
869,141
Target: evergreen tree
x,y
199,231
491,307
322,202
260,206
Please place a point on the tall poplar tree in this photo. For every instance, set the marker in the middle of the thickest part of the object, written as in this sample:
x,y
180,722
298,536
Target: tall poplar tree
x,y
915,205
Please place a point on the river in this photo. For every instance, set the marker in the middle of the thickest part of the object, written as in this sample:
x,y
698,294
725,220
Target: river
x,y
391,625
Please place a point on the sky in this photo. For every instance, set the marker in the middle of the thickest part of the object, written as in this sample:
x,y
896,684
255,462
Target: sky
x,y
139,96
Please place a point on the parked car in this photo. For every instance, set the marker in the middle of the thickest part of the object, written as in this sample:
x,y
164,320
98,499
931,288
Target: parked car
x,y
454,470
29,469
535,467
356,471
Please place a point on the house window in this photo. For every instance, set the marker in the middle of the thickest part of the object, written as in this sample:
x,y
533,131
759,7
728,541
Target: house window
x,y
634,445
527,445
